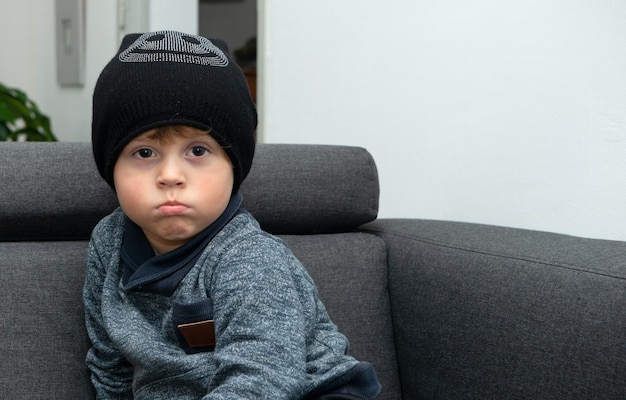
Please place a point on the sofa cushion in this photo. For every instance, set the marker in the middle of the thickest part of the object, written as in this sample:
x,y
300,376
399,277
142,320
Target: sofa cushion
x,y
44,340
350,271
491,312
52,191
44,324
311,188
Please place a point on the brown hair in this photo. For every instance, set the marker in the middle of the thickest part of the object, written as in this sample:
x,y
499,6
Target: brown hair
x,y
165,134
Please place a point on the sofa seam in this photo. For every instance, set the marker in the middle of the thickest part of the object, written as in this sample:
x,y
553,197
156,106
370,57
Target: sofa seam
x,y
496,254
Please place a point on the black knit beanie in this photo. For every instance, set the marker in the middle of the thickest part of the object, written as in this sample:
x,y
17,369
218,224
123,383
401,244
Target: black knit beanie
x,y
172,78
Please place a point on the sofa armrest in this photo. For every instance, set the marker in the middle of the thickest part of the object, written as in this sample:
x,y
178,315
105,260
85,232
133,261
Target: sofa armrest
x,y
491,312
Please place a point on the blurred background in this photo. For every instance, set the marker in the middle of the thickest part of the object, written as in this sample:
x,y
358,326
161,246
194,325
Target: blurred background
x,y
502,112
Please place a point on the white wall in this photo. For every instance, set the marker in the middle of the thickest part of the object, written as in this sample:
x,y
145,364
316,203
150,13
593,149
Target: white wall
x,y
28,54
179,15
502,112
29,60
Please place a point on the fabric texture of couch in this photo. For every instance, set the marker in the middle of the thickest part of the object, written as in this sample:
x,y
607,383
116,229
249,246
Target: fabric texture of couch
x,y
444,310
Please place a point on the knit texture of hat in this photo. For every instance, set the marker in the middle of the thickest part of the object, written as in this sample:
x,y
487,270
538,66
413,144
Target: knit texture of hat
x,y
172,78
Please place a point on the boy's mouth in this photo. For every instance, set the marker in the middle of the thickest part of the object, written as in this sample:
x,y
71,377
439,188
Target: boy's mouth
x,y
172,208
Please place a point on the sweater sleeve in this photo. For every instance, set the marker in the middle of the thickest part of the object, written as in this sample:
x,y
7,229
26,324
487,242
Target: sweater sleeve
x,y
111,374
261,314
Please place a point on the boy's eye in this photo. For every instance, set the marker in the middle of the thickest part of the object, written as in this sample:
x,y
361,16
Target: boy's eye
x,y
198,151
145,153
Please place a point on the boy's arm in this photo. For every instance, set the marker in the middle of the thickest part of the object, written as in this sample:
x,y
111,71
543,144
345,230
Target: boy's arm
x,y
111,374
261,319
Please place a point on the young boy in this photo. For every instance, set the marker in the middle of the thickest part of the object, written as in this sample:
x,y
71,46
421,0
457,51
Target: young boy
x,y
185,296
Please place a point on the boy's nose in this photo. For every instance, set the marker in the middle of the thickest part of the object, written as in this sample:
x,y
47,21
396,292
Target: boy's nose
x,y
171,173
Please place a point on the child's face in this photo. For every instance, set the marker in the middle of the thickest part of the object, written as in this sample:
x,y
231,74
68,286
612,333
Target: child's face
x,y
173,187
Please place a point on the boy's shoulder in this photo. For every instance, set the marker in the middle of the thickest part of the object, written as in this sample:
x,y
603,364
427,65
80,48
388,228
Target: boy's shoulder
x,y
244,230
244,239
109,227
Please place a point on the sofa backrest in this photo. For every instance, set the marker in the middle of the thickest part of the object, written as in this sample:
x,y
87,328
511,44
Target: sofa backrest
x,y
52,196
52,191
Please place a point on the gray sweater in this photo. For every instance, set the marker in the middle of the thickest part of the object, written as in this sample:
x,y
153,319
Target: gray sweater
x,y
274,339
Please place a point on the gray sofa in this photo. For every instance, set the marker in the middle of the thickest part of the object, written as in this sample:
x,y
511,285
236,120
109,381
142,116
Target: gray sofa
x,y
444,310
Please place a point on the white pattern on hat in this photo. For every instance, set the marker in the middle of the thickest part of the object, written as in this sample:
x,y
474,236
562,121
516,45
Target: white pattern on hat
x,y
174,47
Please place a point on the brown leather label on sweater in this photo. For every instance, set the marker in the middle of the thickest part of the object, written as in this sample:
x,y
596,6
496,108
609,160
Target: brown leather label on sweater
x,y
199,334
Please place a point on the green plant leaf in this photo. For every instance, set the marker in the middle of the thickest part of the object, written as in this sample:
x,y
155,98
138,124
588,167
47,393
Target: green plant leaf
x,y
4,132
24,134
5,112
20,115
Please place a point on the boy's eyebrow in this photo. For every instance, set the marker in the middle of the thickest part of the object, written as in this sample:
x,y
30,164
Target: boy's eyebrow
x,y
161,138
166,133
142,139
